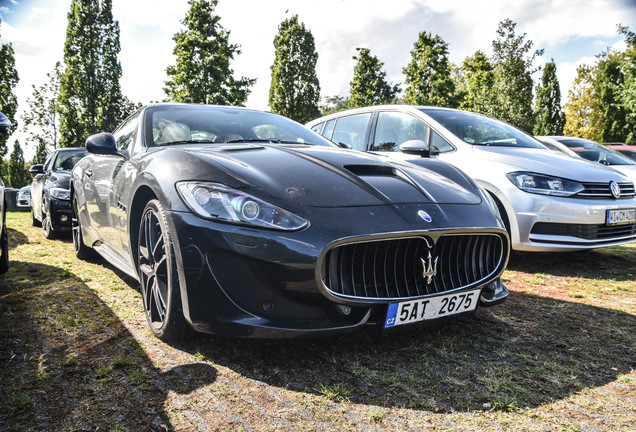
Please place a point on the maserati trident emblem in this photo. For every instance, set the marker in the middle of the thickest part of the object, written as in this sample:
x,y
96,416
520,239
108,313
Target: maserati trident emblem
x,y
429,267
616,189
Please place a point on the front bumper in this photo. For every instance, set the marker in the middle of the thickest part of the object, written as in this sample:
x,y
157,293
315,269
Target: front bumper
x,y
541,223
243,282
59,212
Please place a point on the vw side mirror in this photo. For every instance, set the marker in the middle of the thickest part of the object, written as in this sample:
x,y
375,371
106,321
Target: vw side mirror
x,y
416,147
37,169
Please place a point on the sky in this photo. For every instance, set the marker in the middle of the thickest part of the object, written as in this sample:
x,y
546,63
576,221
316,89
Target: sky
x,y
572,32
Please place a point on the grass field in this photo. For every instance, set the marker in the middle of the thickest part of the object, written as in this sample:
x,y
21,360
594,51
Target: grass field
x,y
559,355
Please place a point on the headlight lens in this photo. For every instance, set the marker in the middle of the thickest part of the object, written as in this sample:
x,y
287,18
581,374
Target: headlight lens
x,y
544,185
61,194
215,201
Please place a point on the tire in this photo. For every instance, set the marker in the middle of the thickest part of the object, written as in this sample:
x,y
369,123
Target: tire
x,y
158,278
47,229
82,251
34,221
4,248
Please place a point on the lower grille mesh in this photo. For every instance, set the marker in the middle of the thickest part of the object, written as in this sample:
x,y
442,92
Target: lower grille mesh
x,y
394,269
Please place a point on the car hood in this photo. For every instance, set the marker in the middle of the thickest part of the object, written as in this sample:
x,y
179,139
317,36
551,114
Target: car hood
x,y
59,179
548,162
329,177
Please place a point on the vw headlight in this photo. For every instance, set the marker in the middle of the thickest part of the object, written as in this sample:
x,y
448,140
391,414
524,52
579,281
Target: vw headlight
x,y
61,194
215,201
544,185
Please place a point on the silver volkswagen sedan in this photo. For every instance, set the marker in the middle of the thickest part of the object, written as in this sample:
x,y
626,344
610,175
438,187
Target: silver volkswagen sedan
x,y
548,201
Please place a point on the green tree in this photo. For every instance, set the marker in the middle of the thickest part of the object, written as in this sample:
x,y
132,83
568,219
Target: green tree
x,y
477,83
369,85
513,83
549,119
41,120
295,90
202,72
583,117
90,99
18,176
428,75
332,104
8,100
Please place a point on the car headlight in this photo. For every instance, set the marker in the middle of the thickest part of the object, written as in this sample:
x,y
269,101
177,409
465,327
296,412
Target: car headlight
x,y
61,194
215,201
544,185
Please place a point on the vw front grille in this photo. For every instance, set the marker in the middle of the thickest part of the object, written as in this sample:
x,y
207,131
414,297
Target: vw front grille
x,y
603,190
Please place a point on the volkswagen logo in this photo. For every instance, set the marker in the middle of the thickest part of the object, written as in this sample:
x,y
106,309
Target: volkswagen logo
x,y
424,216
616,189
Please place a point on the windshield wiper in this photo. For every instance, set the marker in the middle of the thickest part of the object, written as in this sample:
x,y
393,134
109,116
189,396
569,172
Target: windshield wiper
x,y
264,140
189,142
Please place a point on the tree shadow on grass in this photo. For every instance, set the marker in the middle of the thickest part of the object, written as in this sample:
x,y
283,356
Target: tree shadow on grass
x,y
69,363
526,352
16,238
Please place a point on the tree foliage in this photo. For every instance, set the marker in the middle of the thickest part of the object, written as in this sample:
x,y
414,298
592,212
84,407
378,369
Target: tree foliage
x,y
8,81
369,85
549,117
202,73
18,175
583,116
428,75
41,120
332,104
476,84
295,90
90,99
513,76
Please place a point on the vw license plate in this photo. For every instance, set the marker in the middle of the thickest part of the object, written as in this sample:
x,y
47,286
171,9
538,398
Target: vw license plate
x,y
430,308
621,216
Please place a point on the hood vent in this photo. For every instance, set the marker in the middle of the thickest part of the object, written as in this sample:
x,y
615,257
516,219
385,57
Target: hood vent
x,y
371,170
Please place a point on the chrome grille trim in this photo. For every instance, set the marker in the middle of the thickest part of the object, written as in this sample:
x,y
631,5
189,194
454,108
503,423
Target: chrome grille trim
x,y
390,269
602,190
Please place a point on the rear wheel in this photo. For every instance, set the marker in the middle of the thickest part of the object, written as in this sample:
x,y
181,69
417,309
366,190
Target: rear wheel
x,y
82,251
158,277
47,228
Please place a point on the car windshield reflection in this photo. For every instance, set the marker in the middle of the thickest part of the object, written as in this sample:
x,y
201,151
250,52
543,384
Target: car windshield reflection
x,y
480,130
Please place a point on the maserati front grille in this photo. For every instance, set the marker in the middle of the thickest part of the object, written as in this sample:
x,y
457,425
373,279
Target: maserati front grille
x,y
412,267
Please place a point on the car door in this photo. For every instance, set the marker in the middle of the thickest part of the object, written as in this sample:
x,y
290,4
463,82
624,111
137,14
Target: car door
x,y
101,182
37,187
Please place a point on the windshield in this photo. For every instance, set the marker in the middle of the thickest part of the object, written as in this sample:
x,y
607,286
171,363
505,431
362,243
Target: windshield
x,y
480,130
596,152
66,160
182,124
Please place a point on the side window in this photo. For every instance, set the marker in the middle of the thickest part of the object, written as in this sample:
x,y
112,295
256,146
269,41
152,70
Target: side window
x,y
328,130
351,130
47,162
317,128
439,144
395,128
125,135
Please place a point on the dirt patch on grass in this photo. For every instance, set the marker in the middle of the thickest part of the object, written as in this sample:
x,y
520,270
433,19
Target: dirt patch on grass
x,y
558,355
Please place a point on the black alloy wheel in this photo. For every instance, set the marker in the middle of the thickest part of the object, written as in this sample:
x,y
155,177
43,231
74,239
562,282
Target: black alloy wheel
x,y
47,228
158,277
82,251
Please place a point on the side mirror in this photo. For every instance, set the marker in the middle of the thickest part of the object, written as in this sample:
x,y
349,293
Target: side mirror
x,y
5,125
37,169
102,143
343,145
415,147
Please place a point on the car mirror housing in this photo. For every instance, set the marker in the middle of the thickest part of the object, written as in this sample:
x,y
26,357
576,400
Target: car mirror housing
x,y
102,143
37,169
415,147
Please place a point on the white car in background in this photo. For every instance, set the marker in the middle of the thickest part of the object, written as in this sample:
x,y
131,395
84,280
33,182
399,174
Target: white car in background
x,y
595,152
23,199
548,201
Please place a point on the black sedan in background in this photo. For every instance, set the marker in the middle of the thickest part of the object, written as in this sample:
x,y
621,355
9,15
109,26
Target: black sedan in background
x,y
245,223
5,130
50,195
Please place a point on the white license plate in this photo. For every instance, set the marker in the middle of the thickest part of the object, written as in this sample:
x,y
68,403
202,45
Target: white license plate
x,y
621,216
430,308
